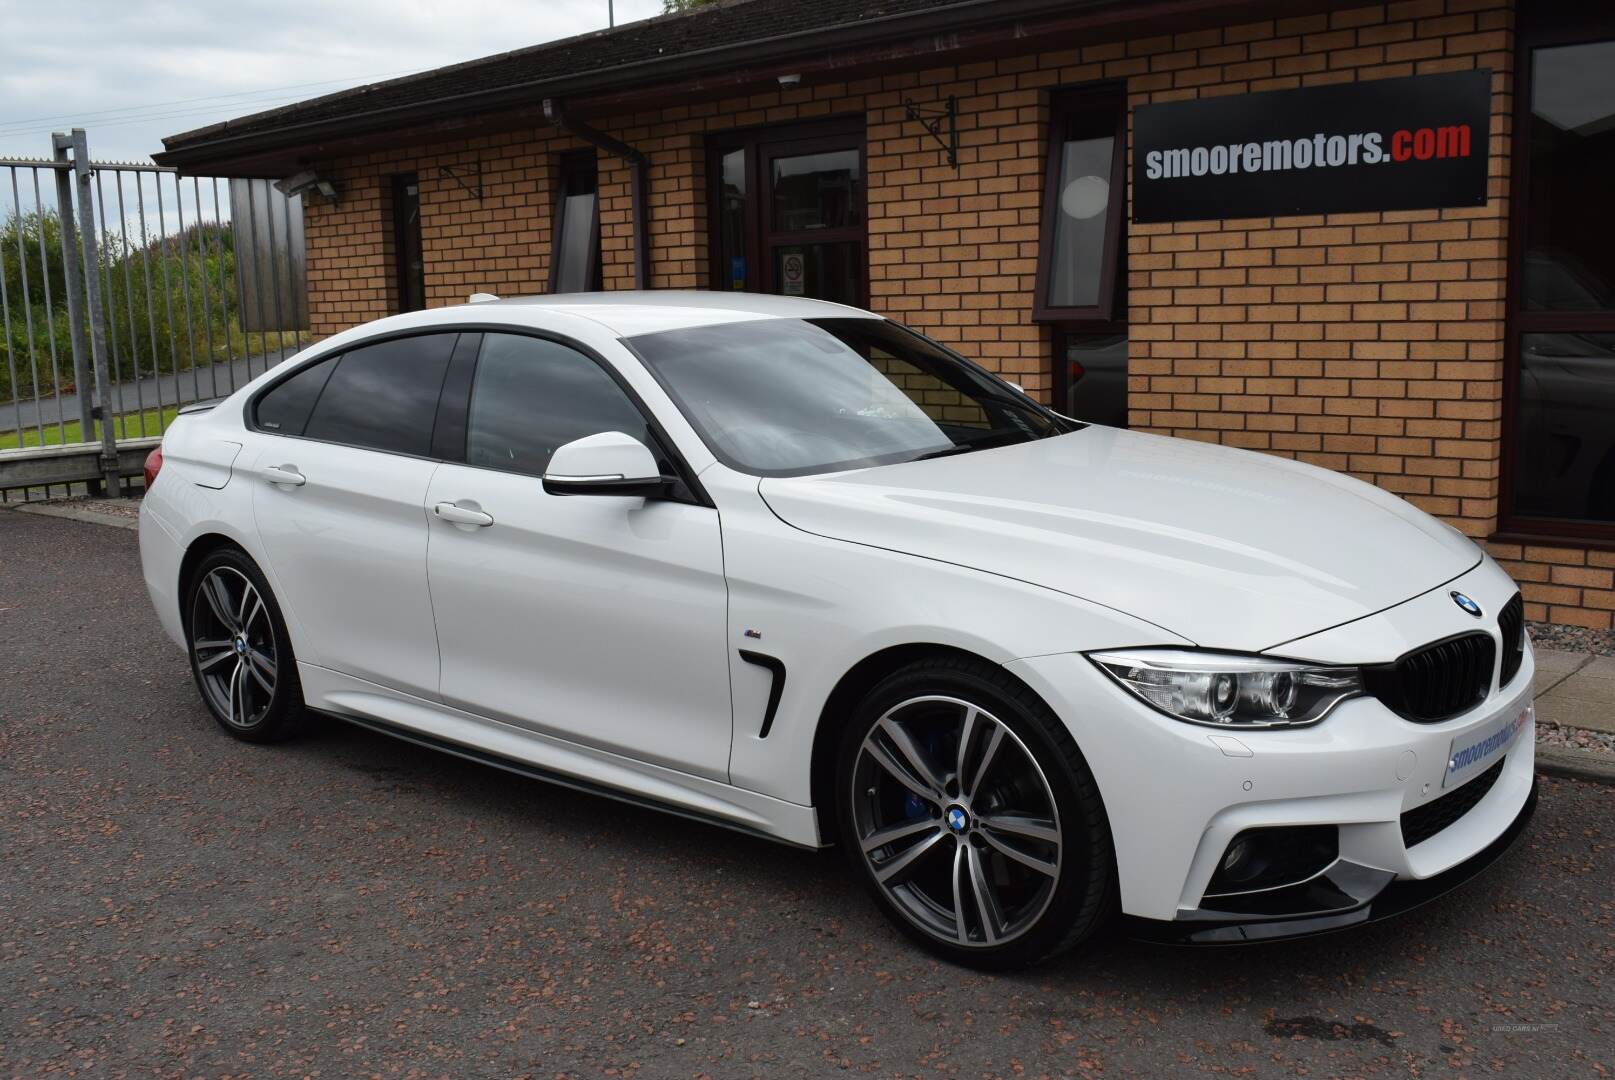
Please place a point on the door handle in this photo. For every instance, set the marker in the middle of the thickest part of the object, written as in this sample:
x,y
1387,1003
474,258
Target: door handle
x,y
286,475
459,515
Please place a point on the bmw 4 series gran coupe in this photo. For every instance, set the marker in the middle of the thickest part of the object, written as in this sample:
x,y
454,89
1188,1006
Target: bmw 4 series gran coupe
x,y
791,568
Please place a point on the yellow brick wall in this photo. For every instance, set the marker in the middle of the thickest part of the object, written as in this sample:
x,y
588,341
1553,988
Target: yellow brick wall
x,y
1369,343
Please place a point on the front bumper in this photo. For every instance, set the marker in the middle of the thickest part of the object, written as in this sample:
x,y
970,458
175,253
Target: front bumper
x,y
1178,794
1389,899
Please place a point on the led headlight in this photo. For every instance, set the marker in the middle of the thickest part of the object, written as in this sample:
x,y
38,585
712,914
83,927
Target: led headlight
x,y
1231,691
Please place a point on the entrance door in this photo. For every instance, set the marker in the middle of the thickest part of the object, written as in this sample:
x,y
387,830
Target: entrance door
x,y
790,212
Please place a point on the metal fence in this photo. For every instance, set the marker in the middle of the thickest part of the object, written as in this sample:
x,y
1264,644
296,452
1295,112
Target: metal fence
x,y
127,291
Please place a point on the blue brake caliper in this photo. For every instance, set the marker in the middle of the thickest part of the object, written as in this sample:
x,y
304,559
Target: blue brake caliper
x,y
913,805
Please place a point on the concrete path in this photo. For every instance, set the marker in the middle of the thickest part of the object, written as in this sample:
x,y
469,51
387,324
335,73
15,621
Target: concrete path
x,y
1576,689
212,380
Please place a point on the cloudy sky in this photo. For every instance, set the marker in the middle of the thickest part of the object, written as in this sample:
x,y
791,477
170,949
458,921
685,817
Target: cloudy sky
x,y
132,71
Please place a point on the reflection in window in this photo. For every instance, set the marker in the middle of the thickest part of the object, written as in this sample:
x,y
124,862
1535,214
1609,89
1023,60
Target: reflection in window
x,y
1570,232
815,191
384,396
532,396
577,228
1096,378
731,271
1565,453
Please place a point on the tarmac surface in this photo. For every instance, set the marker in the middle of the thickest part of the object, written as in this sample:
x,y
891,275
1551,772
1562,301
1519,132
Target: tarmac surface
x,y
176,903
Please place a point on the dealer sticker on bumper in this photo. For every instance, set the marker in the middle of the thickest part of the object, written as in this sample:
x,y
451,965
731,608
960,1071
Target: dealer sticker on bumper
x,y
1477,751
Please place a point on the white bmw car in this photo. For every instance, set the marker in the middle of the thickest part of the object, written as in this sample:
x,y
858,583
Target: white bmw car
x,y
791,568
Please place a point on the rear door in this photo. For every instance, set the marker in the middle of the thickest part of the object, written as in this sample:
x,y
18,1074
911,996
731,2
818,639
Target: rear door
x,y
596,619
340,485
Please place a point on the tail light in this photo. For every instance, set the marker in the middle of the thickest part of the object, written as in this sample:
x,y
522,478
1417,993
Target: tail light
x,y
154,465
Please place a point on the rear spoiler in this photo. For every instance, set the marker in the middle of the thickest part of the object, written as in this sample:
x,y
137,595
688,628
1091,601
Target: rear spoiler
x,y
198,406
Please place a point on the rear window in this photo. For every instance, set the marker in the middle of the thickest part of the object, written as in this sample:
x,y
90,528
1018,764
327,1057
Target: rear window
x,y
384,396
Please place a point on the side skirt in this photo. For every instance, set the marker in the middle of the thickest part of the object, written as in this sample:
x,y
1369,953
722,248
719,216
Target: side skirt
x,y
534,772
545,757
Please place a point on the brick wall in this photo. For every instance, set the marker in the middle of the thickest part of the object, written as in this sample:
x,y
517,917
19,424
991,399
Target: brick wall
x,y
1368,343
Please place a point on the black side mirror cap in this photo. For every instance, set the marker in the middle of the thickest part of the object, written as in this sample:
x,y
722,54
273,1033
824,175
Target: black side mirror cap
x,y
622,487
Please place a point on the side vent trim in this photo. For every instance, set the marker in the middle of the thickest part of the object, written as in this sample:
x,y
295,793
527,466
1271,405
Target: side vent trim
x,y
776,668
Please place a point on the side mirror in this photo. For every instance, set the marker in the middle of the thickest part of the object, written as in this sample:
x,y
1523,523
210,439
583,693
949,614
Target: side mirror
x,y
609,463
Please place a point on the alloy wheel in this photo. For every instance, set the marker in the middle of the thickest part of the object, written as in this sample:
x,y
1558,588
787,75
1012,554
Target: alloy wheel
x,y
233,647
956,821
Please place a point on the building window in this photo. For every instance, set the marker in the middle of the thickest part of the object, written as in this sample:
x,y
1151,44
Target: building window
x,y
1080,285
575,260
788,209
1559,477
409,267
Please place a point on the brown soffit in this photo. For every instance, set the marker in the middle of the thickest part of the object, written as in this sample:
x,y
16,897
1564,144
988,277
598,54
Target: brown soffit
x,y
946,34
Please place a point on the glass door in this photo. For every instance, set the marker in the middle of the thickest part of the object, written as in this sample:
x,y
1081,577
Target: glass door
x,y
789,213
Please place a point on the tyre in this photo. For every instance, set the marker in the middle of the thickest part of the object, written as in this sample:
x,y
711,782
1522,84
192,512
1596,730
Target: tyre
x,y
240,654
970,815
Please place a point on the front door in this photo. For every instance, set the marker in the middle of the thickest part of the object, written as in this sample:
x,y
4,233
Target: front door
x,y
790,211
595,619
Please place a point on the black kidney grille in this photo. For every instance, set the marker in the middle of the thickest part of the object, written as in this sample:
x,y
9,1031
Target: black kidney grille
x,y
1511,626
1437,681
1423,822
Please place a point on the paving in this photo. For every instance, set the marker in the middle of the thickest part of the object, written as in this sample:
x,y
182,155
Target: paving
x,y
175,903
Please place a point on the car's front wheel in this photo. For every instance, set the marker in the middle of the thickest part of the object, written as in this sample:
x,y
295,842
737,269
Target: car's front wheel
x,y
241,656
972,817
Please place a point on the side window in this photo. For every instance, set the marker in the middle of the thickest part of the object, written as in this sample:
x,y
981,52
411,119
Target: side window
x,y
384,396
531,396
284,408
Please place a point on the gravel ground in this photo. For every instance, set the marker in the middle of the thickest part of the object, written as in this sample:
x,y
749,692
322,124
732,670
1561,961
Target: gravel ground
x,y
175,903
1573,638
1574,738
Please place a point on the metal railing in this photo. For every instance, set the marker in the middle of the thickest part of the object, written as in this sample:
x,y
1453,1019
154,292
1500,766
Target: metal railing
x,y
126,291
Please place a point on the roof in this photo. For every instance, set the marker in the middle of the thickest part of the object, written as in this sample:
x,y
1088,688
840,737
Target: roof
x,y
714,38
623,314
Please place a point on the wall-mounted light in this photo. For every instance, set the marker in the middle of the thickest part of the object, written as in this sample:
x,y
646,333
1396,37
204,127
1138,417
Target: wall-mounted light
x,y
788,81
307,180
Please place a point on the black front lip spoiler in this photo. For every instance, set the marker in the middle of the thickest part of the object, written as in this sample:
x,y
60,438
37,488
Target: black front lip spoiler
x,y
1395,899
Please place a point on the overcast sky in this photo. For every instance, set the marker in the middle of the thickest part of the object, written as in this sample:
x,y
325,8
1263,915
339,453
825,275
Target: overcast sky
x,y
133,71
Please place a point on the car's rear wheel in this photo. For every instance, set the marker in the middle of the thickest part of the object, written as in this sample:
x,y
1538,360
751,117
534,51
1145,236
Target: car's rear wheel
x,y
240,654
972,817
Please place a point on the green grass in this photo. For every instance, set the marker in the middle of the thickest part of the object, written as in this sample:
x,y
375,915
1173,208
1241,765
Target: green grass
x,y
125,426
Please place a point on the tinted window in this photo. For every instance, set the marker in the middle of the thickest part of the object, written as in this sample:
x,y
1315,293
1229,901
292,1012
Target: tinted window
x,y
1569,236
284,408
1565,453
384,396
531,396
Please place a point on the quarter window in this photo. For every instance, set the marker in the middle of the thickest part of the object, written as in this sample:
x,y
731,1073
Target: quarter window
x,y
284,408
384,396
531,396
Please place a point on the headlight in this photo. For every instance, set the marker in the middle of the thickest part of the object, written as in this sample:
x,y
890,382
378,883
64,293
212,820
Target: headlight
x,y
1231,691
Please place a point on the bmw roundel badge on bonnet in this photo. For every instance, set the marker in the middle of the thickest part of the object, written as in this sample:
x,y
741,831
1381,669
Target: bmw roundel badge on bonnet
x,y
1466,603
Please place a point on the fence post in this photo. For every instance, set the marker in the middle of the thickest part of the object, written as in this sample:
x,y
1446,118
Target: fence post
x,y
83,172
60,144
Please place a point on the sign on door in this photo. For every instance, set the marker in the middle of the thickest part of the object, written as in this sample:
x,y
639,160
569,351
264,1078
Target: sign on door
x,y
793,265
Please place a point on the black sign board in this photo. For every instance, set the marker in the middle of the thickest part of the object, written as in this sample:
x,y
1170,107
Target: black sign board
x,y
1383,144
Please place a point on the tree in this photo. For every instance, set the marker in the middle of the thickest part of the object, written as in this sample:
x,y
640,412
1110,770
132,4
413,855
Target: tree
x,y
679,7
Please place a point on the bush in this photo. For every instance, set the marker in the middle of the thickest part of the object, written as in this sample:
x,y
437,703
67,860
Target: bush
x,y
141,337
